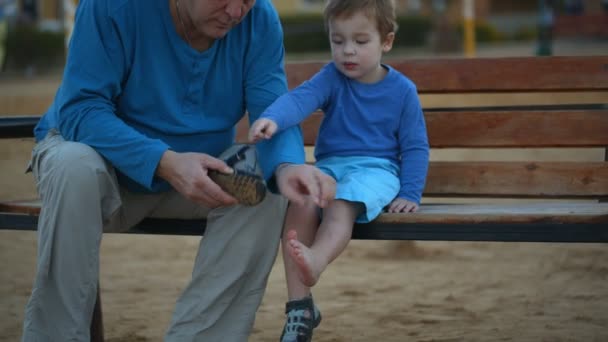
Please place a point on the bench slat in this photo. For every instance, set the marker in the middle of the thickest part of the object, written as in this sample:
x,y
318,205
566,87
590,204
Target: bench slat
x,y
521,223
434,213
507,232
503,128
503,213
510,74
518,179
522,128
471,128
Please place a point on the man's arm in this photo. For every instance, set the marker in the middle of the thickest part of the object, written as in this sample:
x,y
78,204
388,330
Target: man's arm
x,y
86,101
265,81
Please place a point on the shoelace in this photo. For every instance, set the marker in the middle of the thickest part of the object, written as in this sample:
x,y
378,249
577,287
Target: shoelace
x,y
297,319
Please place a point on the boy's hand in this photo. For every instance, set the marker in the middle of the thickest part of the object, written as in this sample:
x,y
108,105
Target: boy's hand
x,y
262,129
401,205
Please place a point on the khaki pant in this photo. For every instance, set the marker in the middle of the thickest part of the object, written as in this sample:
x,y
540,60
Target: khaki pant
x,y
81,199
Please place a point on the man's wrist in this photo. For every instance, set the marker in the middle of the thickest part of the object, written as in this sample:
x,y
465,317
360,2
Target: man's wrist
x,y
282,167
162,169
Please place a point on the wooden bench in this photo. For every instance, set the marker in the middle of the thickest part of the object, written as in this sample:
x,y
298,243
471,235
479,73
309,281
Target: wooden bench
x,y
487,105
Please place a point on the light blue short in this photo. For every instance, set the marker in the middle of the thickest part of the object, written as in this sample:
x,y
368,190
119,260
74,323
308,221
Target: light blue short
x,y
374,182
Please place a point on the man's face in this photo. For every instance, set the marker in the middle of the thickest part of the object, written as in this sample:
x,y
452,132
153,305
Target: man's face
x,y
214,18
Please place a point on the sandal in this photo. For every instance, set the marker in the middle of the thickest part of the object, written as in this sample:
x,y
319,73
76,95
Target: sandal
x,y
246,184
300,324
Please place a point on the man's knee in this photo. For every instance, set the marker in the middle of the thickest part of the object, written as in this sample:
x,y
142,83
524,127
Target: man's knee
x,y
73,165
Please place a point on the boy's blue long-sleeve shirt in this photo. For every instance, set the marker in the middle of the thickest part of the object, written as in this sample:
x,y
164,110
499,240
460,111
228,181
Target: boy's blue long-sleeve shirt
x,y
132,88
383,120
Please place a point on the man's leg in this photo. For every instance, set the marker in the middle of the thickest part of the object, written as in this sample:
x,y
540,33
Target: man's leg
x,y
230,273
79,192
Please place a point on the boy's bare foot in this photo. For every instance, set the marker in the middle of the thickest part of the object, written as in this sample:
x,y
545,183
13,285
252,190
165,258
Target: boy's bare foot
x,y
309,267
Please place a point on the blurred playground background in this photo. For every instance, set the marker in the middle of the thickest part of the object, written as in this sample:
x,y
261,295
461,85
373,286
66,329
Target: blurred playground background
x,y
378,290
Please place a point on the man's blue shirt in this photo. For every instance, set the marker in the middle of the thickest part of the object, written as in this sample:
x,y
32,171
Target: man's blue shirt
x,y
132,88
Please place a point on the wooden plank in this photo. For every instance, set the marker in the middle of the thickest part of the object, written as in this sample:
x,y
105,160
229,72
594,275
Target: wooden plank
x,y
505,74
518,128
26,207
435,214
502,213
518,179
502,128
507,232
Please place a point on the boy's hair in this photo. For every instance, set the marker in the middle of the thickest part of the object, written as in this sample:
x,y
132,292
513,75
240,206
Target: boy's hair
x,y
383,11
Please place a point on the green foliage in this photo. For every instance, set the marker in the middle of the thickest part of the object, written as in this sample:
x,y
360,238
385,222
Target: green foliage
x,y
27,46
484,33
306,33
525,34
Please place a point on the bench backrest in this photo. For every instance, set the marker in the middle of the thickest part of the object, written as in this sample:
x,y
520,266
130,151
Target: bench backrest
x,y
546,137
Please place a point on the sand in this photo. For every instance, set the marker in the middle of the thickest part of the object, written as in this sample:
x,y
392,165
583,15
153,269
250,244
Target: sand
x,y
375,291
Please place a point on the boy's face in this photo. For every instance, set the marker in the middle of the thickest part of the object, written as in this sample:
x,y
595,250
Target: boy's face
x,y
357,47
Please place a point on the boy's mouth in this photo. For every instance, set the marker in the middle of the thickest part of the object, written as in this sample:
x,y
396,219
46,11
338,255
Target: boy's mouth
x,y
349,66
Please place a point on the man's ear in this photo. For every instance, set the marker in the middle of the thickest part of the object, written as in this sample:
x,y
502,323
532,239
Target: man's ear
x,y
387,45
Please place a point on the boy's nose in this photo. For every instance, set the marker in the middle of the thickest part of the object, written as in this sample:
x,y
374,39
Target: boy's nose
x,y
349,49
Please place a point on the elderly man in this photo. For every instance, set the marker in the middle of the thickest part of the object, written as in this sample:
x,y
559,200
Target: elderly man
x,y
151,93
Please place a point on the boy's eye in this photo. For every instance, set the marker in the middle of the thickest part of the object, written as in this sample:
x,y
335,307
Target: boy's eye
x,y
337,42
362,41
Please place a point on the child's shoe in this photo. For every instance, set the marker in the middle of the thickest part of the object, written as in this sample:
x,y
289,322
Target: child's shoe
x,y
246,184
302,317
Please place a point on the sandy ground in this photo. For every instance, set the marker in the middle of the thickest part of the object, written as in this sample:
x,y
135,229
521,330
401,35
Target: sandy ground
x,y
375,291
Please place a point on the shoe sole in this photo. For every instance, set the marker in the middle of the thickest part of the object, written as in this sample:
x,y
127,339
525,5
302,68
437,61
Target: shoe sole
x,y
248,189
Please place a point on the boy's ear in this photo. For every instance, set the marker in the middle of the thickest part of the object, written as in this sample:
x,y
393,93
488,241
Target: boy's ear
x,y
387,45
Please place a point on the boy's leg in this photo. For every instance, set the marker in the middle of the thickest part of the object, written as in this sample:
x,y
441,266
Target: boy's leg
x,y
230,273
301,267
331,239
304,220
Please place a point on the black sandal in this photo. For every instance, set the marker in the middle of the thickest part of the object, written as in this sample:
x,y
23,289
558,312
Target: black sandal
x,y
300,324
246,184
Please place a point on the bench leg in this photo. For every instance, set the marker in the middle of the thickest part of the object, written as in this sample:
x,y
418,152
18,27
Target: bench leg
x,y
605,199
97,319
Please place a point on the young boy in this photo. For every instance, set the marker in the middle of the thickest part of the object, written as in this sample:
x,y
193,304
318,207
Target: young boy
x,y
372,141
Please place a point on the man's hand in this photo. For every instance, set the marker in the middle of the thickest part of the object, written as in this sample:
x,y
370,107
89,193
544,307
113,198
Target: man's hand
x,y
297,181
401,205
187,173
262,129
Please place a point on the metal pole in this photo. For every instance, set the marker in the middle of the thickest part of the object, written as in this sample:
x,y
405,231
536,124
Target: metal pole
x,y
545,28
468,13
